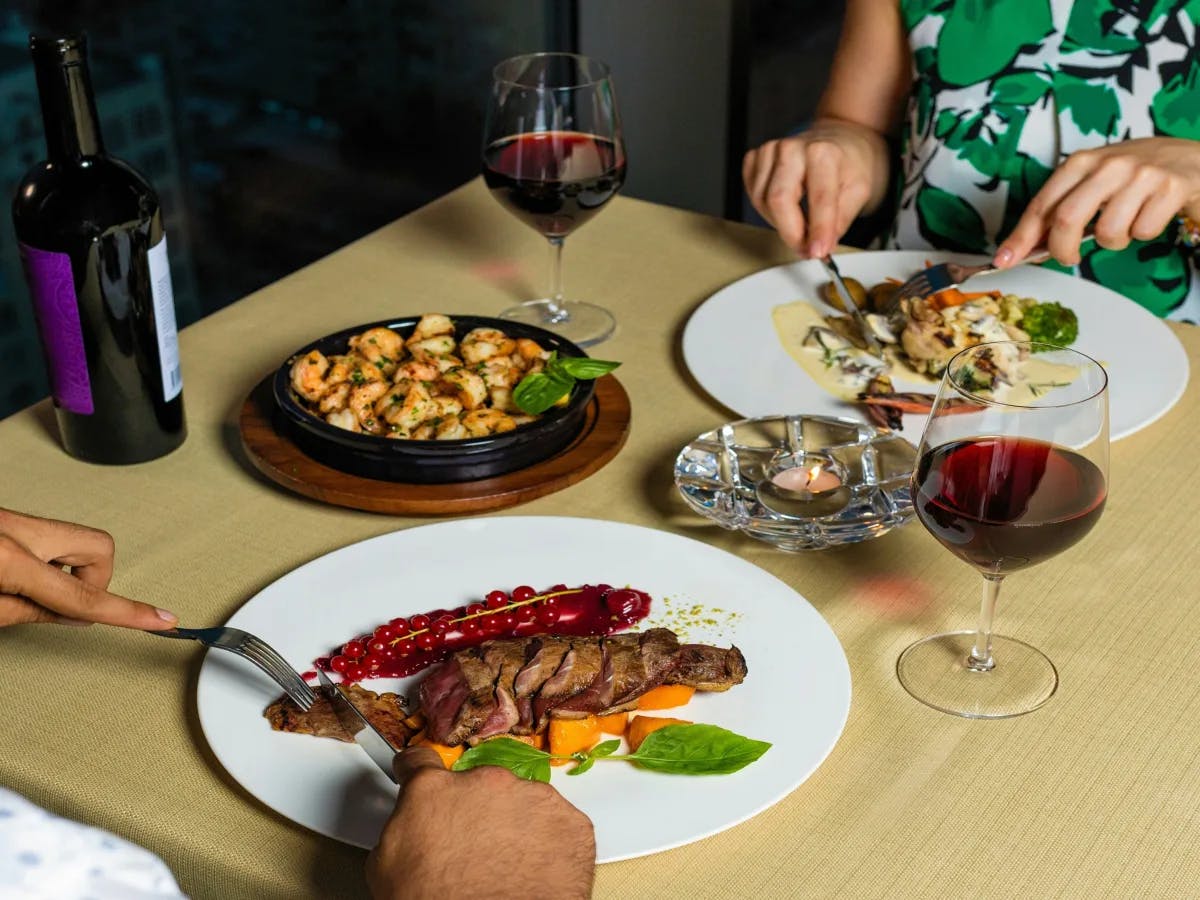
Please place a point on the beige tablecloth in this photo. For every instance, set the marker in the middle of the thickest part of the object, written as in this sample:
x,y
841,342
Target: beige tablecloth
x,y
1097,794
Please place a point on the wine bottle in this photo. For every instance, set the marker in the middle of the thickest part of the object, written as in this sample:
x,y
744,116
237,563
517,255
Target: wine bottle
x,y
91,239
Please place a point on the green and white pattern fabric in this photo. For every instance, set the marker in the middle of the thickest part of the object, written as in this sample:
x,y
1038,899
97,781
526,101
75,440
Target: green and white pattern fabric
x,y
1005,90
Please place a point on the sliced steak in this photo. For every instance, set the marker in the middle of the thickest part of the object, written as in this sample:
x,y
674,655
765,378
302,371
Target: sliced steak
x,y
596,696
545,654
506,658
708,668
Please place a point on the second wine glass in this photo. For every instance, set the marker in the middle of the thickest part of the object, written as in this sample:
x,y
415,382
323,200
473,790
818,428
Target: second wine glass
x,y
1012,469
553,155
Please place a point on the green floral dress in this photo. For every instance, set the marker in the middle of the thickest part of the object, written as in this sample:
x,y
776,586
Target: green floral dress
x,y
1004,90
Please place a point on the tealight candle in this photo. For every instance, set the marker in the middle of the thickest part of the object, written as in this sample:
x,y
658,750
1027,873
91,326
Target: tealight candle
x,y
804,485
815,479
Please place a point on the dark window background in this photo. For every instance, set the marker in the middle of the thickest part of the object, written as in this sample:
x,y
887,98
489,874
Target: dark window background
x,y
277,132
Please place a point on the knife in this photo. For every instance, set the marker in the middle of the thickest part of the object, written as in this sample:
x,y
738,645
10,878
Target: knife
x,y
860,320
365,734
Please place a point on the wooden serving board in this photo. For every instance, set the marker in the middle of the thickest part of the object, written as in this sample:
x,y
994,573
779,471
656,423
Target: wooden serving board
x,y
605,428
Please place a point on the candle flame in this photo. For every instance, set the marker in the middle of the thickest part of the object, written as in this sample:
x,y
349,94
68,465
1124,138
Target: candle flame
x,y
813,473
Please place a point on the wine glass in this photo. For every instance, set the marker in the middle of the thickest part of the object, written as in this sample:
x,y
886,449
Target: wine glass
x,y
553,155
1012,468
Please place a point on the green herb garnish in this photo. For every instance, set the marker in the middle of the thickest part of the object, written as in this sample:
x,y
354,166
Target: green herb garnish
x,y
539,391
676,749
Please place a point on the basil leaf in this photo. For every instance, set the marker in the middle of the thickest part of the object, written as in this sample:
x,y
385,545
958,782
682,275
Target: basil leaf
x,y
608,748
539,391
519,758
584,367
583,766
697,750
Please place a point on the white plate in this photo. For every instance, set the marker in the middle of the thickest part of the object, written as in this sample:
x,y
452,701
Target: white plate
x,y
731,347
797,693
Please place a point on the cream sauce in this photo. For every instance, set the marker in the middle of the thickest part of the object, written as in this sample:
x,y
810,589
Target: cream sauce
x,y
1034,378
793,324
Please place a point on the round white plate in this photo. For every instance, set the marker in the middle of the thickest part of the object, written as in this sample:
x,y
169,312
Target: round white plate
x,y
796,696
731,347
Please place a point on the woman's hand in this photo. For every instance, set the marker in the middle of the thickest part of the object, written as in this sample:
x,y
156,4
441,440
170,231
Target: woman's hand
x,y
480,833
35,588
838,168
1137,187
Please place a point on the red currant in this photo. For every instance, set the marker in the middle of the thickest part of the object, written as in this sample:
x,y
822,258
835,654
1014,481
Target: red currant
x,y
355,672
405,647
491,625
377,646
338,664
523,593
547,615
389,653
399,627
495,600
384,633
372,662
418,622
475,609
354,649
428,640
470,628
508,621
525,613
557,588
548,602
622,603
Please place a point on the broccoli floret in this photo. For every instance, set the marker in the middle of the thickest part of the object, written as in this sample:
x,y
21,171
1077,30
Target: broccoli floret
x,y
1051,323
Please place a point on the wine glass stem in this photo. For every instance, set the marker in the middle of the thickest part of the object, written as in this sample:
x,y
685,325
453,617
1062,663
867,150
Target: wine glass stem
x,y
555,313
980,659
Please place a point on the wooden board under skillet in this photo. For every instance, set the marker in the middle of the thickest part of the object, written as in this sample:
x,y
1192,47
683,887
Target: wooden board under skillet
x,y
273,453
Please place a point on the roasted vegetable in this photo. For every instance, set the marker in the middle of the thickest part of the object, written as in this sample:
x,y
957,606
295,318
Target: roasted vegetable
x,y
642,726
666,696
857,292
1051,323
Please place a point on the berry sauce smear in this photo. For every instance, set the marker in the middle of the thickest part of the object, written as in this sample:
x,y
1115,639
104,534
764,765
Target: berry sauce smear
x,y
403,647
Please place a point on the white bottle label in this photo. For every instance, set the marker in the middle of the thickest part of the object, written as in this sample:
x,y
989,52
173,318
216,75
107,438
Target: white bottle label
x,y
164,319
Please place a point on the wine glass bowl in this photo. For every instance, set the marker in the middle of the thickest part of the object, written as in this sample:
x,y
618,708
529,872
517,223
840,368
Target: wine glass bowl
x,y
553,156
1011,470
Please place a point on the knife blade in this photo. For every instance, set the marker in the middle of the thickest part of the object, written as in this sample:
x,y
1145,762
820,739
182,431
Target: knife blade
x,y
851,307
365,734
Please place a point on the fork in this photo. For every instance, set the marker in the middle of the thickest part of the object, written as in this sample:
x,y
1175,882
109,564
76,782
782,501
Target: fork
x,y
949,275
248,646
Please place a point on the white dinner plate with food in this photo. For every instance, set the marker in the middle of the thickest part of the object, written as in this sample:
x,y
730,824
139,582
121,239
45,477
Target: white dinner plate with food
x,y
796,694
736,352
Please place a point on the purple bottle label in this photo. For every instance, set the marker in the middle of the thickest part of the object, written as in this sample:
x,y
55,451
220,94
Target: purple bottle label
x,y
56,308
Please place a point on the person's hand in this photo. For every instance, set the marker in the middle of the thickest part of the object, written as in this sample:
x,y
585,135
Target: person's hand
x,y
1137,187
35,588
480,833
839,169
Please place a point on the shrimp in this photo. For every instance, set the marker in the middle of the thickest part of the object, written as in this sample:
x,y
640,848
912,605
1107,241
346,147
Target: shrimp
x,y
362,403
502,399
343,418
361,371
451,430
467,386
335,399
445,363
431,325
308,375
341,368
432,348
416,408
499,372
528,352
380,346
482,422
413,372
481,344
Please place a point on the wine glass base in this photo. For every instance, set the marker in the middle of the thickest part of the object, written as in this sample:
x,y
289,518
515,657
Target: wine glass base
x,y
580,323
934,670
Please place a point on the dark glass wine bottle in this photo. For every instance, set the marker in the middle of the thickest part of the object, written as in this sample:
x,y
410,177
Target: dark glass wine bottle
x,y
91,239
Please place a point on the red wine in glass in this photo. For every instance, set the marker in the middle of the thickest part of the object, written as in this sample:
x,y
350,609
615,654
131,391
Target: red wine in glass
x,y
1004,503
554,181
1015,477
554,156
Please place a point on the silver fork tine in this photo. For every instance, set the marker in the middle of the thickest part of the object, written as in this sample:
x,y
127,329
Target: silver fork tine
x,y
284,672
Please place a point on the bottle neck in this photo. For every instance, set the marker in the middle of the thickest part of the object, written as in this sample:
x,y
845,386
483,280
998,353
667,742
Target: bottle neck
x,y
65,89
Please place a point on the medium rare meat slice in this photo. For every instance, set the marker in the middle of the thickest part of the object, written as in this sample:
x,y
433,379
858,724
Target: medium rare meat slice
x,y
545,654
381,710
596,696
578,669
506,658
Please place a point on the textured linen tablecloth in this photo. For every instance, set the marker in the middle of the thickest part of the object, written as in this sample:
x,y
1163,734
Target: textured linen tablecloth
x,y
1097,794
